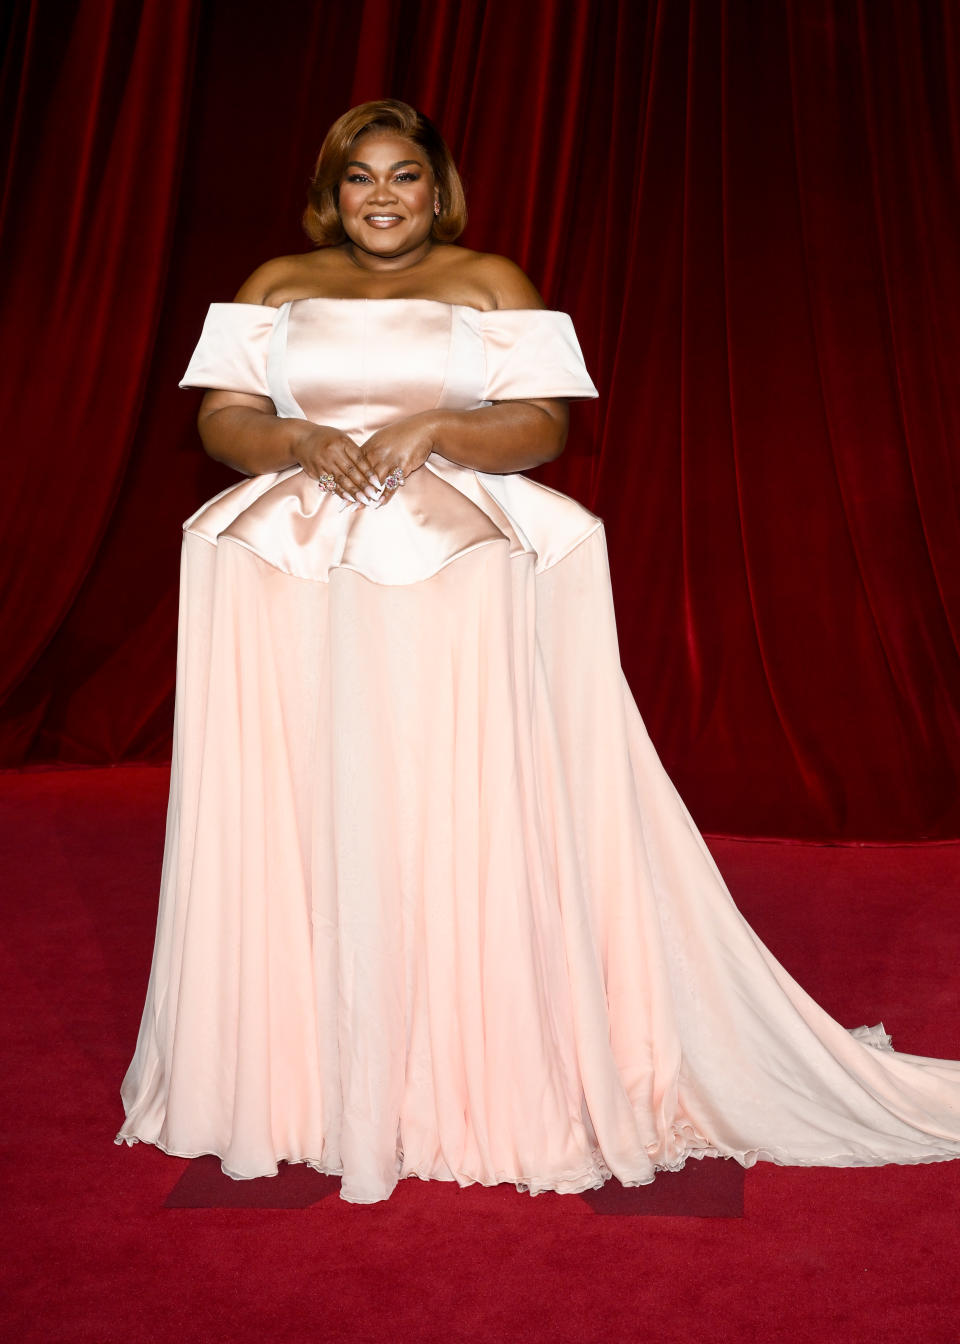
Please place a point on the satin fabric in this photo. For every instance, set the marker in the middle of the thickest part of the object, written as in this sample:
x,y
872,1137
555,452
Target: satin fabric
x,y
430,904
360,364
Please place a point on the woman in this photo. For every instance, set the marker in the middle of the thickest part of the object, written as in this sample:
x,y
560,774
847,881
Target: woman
x,y
430,905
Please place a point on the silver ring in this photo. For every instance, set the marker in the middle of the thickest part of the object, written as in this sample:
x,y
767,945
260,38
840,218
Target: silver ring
x,y
394,480
326,481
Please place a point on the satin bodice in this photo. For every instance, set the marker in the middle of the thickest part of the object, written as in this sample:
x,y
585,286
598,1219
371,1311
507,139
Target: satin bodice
x,y
360,364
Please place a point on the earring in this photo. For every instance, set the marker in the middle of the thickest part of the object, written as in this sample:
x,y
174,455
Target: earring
x,y
436,207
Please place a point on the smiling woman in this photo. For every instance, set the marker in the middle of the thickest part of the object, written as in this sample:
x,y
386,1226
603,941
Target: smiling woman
x,y
430,905
385,203
401,197
431,162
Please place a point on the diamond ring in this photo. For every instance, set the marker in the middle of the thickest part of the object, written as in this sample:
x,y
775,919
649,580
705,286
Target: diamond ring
x,y
394,479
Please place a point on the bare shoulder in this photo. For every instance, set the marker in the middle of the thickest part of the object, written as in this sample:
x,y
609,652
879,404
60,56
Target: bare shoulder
x,y
508,285
275,275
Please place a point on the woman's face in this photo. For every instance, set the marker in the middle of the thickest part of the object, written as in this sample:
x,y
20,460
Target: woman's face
x,y
387,193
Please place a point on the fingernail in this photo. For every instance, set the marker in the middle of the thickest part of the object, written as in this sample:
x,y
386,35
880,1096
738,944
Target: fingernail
x,y
370,493
374,480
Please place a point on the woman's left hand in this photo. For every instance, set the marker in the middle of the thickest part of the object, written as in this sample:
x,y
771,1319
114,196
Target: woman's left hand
x,y
405,444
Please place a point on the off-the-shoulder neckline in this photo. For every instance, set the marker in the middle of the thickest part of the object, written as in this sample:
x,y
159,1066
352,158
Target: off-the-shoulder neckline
x,y
322,298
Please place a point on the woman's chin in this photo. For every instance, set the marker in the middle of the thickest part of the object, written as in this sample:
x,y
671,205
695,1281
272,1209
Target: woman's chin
x,y
392,241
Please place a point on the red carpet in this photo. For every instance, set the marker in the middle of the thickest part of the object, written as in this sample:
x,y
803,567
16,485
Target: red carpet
x,y
103,1244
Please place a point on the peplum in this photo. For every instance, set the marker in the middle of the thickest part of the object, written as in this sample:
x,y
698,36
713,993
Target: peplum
x,y
430,905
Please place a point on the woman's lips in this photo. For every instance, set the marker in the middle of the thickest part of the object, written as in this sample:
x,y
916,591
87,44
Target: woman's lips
x,y
382,221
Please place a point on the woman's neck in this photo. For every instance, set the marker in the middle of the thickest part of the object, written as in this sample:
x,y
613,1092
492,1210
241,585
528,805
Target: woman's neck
x,y
377,265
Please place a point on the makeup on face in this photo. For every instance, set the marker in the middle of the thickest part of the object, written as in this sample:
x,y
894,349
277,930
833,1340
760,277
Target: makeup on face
x,y
386,189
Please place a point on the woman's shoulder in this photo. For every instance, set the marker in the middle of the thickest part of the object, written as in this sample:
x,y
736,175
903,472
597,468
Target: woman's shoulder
x,y
268,283
499,281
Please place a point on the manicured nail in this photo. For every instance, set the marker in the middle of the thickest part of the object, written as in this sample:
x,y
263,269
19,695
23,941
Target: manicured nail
x,y
374,481
370,493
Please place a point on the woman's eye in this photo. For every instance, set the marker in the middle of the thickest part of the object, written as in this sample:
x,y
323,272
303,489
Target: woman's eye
x,y
401,177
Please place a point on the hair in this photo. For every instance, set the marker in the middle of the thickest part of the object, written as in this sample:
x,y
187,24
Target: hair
x,y
321,219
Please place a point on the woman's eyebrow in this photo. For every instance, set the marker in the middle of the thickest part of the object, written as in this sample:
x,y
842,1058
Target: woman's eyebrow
x,y
401,163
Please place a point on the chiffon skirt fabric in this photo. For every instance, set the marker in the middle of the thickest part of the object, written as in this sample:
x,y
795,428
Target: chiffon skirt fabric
x,y
431,906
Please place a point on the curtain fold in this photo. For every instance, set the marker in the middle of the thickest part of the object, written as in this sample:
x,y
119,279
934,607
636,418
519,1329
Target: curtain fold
x,y
101,98
751,213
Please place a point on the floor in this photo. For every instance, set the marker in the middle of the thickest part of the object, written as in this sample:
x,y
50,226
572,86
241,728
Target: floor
x,y
101,1243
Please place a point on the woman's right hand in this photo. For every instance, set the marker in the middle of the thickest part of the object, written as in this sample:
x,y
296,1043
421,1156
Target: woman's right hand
x,y
324,451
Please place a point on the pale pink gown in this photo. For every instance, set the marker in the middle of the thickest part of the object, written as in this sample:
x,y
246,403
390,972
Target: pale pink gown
x,y
430,904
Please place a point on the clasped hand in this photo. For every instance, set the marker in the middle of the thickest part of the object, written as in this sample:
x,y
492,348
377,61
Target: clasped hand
x,y
359,472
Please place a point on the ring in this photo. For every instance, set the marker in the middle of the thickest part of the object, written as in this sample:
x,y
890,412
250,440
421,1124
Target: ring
x,y
326,482
394,479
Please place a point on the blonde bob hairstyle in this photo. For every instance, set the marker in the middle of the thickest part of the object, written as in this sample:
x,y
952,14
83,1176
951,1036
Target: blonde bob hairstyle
x,y
321,219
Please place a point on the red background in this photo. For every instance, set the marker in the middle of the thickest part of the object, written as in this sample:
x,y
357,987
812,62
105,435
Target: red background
x,y
750,210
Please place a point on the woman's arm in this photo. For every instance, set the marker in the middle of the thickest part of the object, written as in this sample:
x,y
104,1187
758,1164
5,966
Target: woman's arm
x,y
507,436
244,432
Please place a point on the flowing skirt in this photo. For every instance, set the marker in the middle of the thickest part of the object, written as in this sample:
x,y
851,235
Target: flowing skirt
x,y
430,904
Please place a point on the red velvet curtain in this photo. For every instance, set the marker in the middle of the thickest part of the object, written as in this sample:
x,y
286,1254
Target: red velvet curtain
x,y
751,211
